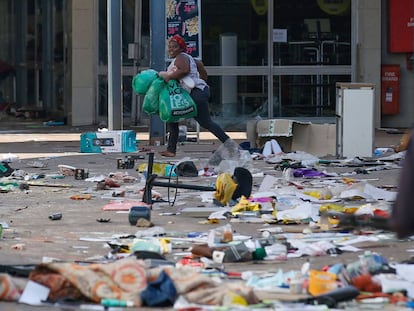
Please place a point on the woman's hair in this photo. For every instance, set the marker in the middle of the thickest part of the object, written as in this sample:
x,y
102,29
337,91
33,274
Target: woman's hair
x,y
180,41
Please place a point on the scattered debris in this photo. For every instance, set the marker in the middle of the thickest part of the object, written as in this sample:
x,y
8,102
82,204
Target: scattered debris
x,y
306,207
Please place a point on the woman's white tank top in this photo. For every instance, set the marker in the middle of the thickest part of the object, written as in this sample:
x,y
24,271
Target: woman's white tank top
x,y
199,83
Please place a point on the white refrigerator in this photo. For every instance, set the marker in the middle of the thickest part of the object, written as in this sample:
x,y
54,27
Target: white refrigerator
x,y
355,130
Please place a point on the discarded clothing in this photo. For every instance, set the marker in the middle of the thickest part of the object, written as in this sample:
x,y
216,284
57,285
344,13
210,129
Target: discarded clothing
x,y
160,293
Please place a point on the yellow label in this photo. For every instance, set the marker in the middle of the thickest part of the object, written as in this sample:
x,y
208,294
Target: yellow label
x,y
157,168
259,6
334,7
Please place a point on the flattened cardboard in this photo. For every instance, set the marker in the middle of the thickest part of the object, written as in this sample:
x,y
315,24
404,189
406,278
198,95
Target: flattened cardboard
x,y
292,135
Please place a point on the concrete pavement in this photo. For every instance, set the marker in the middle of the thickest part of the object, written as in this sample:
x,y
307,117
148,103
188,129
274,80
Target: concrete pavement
x,y
78,236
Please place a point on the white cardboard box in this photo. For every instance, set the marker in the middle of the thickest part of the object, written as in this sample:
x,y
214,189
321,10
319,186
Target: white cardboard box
x,y
109,141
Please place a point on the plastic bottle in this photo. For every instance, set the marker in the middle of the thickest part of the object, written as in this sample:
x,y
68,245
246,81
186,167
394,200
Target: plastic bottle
x,y
227,234
116,303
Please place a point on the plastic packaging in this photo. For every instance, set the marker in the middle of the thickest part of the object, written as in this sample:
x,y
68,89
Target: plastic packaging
x,y
5,169
170,171
321,282
223,234
296,284
182,133
230,151
367,263
149,244
9,158
382,151
276,251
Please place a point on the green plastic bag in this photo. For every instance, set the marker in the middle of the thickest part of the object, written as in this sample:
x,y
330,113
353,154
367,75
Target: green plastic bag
x,y
142,81
150,105
175,103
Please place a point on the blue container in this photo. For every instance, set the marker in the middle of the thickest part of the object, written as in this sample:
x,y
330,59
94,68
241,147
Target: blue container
x,y
137,212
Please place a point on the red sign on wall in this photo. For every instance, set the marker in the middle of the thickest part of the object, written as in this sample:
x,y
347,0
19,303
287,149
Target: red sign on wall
x,y
401,26
390,89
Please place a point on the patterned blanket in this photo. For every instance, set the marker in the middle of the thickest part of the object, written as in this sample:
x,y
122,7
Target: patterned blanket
x,y
124,279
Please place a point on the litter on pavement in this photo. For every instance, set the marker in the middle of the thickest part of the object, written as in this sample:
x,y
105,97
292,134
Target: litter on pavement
x,y
303,207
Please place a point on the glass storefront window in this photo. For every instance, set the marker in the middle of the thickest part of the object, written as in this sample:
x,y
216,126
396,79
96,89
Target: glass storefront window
x,y
327,52
314,33
317,32
235,99
103,31
135,18
129,27
33,53
235,37
103,95
306,95
234,17
7,67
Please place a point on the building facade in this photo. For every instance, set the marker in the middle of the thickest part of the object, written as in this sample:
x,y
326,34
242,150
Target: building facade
x,y
265,58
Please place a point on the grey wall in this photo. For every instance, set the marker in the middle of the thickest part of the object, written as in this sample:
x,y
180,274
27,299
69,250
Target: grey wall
x,y
83,62
368,49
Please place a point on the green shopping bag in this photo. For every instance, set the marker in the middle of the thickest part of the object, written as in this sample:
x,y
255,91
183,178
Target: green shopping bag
x,y
150,104
142,81
175,103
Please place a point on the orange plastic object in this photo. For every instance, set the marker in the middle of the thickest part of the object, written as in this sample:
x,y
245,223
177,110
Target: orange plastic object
x,y
321,282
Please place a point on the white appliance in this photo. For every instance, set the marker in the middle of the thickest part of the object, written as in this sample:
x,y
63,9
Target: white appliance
x,y
355,119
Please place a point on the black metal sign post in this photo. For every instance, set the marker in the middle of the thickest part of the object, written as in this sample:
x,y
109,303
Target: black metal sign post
x,y
151,182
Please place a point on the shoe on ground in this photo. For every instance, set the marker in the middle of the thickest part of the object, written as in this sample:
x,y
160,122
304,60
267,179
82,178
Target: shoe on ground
x,y
167,153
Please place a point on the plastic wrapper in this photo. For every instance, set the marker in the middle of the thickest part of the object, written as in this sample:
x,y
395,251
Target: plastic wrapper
x,y
229,156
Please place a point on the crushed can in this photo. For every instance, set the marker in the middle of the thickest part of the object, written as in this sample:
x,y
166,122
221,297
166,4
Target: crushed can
x,y
129,162
120,163
81,174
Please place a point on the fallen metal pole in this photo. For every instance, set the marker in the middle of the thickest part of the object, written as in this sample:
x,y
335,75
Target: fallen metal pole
x,y
183,186
151,182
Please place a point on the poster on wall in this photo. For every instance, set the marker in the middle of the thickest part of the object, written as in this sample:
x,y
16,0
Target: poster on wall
x,y
184,19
